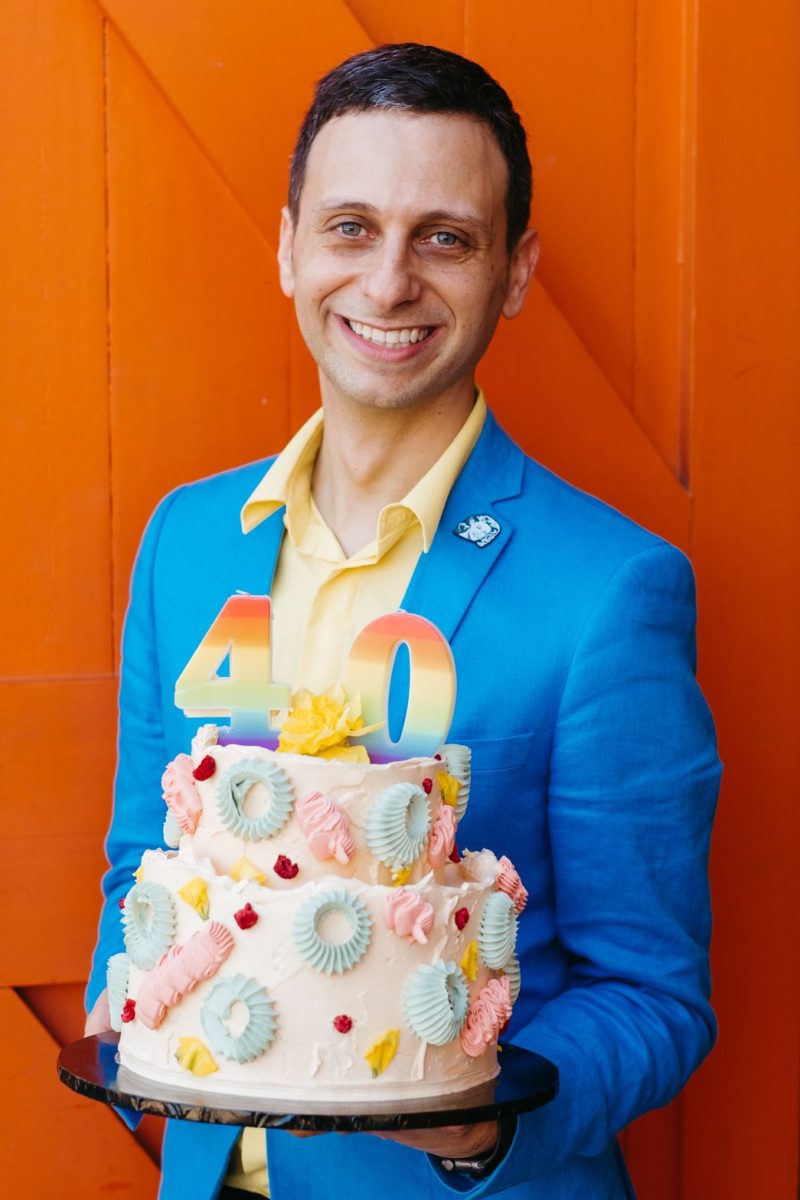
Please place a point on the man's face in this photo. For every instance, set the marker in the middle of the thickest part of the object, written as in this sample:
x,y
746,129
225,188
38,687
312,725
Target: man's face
x,y
398,263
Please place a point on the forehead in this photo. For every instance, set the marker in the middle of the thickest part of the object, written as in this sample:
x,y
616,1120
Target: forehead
x,y
391,160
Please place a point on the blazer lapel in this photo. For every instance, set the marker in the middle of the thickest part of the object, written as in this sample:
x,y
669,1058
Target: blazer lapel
x,y
450,574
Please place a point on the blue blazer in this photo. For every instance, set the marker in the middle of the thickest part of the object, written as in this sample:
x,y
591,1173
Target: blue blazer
x,y
594,768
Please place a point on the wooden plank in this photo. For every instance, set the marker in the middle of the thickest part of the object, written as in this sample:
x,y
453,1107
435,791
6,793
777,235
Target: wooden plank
x,y
740,1139
557,403
53,343
240,79
57,747
43,1122
59,1008
569,68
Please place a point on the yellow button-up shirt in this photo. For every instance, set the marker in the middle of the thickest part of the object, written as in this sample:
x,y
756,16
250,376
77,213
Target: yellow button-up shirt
x,y
321,599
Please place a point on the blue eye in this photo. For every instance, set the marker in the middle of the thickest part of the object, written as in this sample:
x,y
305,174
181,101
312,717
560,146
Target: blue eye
x,y
445,238
350,229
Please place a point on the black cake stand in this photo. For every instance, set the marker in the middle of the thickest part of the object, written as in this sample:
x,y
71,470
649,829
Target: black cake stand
x,y
90,1067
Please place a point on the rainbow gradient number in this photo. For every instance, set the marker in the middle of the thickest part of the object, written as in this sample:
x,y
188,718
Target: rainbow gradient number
x,y
432,685
248,696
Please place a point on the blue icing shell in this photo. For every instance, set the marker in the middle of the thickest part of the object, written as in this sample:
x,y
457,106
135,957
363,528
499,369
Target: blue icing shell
x,y
458,760
497,936
149,924
217,1008
172,831
233,786
512,970
332,958
117,972
436,1002
398,825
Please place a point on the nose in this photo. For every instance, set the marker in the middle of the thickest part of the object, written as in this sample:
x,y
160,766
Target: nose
x,y
390,279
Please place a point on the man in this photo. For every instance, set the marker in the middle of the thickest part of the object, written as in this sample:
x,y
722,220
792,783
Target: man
x,y
404,242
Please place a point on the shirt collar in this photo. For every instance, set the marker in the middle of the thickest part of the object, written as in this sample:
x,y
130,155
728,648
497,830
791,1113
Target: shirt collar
x,y
288,482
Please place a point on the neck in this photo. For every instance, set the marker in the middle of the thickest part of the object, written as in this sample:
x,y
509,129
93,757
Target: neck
x,y
372,457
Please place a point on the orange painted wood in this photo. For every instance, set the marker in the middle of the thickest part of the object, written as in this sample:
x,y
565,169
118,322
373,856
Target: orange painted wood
x,y
569,68
52,342
50,1137
663,268
442,24
740,1135
240,79
199,364
59,1009
57,750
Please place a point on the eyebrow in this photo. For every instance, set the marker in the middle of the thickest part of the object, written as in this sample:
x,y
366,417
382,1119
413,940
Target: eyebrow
x,y
435,215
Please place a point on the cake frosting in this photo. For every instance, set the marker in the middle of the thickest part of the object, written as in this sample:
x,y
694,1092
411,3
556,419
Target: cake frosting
x,y
312,931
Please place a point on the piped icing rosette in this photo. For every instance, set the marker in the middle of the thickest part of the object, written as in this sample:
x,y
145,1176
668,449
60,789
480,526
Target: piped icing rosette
x,y
512,970
181,968
408,915
326,827
217,1010
398,825
436,1002
443,836
233,788
117,973
149,923
497,936
332,957
207,735
181,794
172,830
509,882
459,765
486,1017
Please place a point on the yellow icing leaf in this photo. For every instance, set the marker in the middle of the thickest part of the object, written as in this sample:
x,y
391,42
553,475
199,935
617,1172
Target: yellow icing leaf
x,y
382,1051
449,786
193,1055
346,753
400,876
195,893
138,873
244,869
469,963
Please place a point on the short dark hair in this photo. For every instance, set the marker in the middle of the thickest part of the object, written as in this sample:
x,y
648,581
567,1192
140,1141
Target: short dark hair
x,y
409,77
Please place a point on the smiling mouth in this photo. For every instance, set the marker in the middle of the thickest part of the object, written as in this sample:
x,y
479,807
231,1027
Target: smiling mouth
x,y
390,337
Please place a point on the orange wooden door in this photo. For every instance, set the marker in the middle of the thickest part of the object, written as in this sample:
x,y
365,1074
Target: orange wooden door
x,y
144,342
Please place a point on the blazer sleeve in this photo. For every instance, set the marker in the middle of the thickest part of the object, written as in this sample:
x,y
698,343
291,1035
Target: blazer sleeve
x,y
138,812
633,783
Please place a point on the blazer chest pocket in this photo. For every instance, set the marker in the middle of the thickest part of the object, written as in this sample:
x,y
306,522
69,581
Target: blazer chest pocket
x,y
512,753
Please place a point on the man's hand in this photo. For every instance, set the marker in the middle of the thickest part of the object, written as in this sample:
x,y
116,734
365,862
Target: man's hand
x,y
99,1019
450,1141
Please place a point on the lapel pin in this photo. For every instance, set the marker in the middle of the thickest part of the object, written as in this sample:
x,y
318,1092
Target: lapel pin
x,y
479,529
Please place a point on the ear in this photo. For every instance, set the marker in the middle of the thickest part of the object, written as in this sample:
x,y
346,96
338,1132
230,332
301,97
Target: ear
x,y
524,257
285,243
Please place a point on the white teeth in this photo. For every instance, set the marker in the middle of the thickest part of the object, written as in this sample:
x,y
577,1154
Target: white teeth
x,y
389,337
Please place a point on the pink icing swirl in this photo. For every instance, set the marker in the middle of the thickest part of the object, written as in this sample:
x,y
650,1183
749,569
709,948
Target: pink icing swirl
x,y
486,1017
181,794
509,882
177,972
326,828
443,836
408,915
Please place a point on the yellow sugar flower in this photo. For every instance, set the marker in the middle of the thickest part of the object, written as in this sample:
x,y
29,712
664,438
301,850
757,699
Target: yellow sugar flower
x,y
243,868
195,893
193,1055
321,724
400,875
469,962
382,1051
449,786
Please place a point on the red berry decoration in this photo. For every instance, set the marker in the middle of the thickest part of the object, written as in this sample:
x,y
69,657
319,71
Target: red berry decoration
x,y
427,784
438,757
342,1023
121,902
454,855
128,1011
205,768
246,917
462,916
285,867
